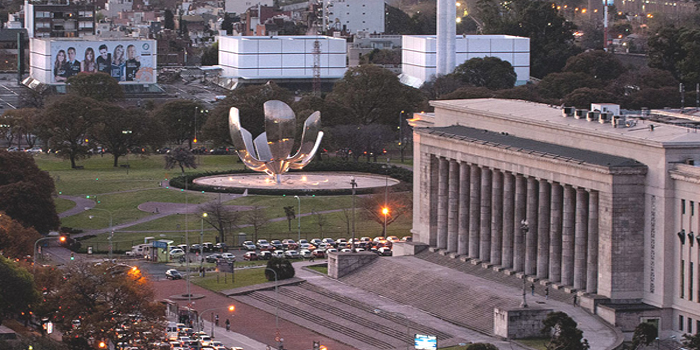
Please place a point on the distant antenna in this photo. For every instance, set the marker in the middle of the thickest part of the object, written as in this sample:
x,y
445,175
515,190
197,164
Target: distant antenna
x,y
317,68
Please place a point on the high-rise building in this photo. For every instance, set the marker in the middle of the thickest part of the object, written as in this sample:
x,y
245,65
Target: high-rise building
x,y
70,20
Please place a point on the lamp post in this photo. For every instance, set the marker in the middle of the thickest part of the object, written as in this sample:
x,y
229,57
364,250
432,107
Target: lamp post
x,y
298,219
111,229
231,308
524,227
36,244
201,239
353,183
277,307
408,328
385,210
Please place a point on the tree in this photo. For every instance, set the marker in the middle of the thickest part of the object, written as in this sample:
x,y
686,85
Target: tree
x,y
583,97
359,140
17,291
398,22
30,98
289,212
482,346
249,101
598,64
26,193
282,267
210,55
490,72
68,122
382,57
181,119
256,218
563,332
320,220
169,20
21,124
469,92
644,334
558,85
397,204
98,86
440,86
220,217
665,50
691,341
181,157
16,240
113,302
373,94
346,216
123,129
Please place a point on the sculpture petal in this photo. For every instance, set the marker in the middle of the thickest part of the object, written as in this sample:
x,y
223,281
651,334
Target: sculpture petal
x,y
242,141
280,125
307,158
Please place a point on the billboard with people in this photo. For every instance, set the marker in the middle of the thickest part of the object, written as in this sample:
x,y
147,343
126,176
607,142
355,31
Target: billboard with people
x,y
127,61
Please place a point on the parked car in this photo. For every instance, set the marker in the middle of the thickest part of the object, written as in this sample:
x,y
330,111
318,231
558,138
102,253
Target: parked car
x,y
406,239
184,247
292,254
346,250
212,258
208,247
263,244
305,253
13,149
205,340
250,256
195,248
176,253
331,250
302,241
265,255
228,256
173,274
384,251
35,150
316,241
221,247
319,254
277,244
342,245
278,254
289,244
392,239
329,241
306,246
341,240
379,238
249,245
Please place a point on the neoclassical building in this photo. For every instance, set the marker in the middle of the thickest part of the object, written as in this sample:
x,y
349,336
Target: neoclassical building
x,y
605,207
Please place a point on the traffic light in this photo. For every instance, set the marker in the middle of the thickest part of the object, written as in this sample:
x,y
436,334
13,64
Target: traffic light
x,y
72,256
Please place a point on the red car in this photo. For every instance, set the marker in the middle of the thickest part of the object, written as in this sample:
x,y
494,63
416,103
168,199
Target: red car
x,y
319,254
250,256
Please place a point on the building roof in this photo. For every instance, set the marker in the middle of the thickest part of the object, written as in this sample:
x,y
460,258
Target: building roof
x,y
518,144
549,116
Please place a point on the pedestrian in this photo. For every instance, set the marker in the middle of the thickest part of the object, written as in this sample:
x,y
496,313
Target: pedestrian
x,y
546,293
228,325
216,320
575,299
311,259
532,289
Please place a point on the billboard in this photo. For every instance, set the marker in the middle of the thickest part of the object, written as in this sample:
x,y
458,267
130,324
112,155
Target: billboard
x,y
425,342
127,61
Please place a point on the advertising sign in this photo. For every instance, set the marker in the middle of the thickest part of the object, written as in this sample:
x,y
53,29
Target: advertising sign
x,y
127,61
425,342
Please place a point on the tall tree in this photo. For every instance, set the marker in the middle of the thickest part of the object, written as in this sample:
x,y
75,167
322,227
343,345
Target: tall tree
x,y
98,86
16,240
221,218
563,332
598,64
644,334
68,122
123,129
398,22
397,204
17,291
490,72
181,157
26,192
373,95
181,119
289,212
210,55
169,20
257,219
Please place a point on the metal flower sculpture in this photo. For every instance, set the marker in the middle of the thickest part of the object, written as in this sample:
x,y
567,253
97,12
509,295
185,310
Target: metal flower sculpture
x,y
270,152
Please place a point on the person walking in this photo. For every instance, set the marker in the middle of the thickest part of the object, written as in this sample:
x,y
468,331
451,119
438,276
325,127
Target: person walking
x,y
216,320
311,259
532,288
546,293
228,325
575,299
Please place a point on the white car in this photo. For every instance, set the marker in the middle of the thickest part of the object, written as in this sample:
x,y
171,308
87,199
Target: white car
x,y
205,340
278,254
176,253
249,245
35,150
292,254
331,250
305,253
346,250
228,256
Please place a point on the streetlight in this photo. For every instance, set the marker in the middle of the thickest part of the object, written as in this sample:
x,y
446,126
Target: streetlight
x,y
385,211
353,183
111,230
201,248
61,239
277,307
408,328
524,227
231,308
298,220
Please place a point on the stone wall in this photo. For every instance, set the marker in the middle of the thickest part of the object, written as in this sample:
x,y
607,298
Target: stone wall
x,y
408,248
519,323
341,264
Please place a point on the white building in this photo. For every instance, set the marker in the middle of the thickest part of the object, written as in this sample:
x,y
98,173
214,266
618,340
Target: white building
x,y
419,54
280,57
356,15
115,7
240,6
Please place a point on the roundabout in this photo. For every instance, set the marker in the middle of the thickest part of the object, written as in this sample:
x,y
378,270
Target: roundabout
x,y
322,181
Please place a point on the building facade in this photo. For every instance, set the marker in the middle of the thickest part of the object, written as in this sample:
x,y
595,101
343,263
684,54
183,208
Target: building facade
x,y
71,20
591,203
354,16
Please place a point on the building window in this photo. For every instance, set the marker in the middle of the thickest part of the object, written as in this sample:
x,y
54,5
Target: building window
x,y
42,14
697,326
690,281
690,325
692,208
682,279
680,322
85,14
683,206
82,25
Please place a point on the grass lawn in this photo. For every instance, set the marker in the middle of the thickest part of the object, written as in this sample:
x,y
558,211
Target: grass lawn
x,y
321,269
63,204
535,343
243,278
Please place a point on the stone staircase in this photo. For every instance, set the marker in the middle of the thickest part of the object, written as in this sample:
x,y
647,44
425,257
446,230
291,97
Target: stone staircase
x,y
349,321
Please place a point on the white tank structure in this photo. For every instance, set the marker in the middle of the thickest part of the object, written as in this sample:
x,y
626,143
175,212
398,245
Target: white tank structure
x,y
446,33
270,151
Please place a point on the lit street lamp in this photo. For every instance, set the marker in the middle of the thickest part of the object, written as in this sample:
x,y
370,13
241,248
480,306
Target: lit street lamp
x,y
385,211
277,307
201,248
353,183
111,230
524,227
61,239
231,308
298,220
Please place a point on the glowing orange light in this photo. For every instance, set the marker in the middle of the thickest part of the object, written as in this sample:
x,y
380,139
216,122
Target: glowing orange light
x,y
385,211
232,308
62,238
102,345
583,10
195,140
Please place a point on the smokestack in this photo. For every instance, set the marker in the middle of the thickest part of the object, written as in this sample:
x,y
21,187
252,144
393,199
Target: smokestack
x,y
446,33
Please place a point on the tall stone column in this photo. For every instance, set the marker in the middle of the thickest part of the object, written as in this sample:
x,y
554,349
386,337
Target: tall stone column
x,y
592,276
567,236
496,216
555,233
463,231
543,230
532,223
508,211
485,243
581,239
453,209
433,199
474,210
442,204
519,216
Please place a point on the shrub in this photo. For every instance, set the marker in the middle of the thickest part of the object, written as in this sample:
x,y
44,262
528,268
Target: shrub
x,y
283,268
